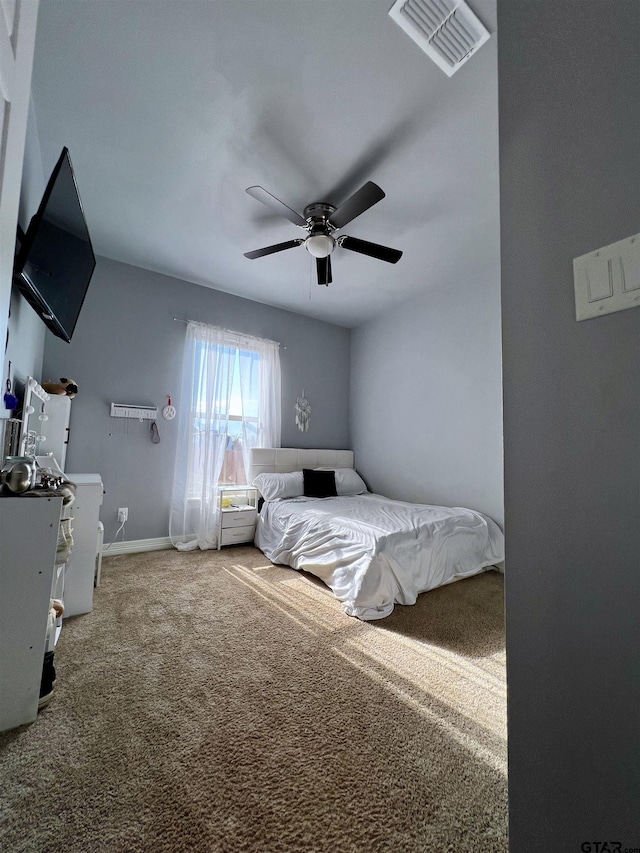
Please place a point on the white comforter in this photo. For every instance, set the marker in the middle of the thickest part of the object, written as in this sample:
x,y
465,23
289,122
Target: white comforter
x,y
374,552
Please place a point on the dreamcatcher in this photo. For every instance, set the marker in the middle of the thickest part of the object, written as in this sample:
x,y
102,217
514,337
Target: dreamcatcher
x,y
303,413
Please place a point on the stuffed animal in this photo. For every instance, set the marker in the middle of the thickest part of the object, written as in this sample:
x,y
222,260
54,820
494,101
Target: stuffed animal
x,y
65,386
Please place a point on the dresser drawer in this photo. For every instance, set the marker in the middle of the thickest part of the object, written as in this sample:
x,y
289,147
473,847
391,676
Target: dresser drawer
x,y
238,518
235,535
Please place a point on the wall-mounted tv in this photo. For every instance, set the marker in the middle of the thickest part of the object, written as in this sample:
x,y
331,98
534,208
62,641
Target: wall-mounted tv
x,y
55,261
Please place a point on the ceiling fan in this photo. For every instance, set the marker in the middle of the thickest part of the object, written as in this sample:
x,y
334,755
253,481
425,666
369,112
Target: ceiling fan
x,y
322,220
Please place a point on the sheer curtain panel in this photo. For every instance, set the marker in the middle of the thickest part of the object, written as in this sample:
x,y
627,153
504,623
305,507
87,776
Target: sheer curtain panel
x,y
230,402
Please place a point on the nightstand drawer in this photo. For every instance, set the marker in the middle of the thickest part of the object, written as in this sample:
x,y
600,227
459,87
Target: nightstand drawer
x,y
238,518
231,535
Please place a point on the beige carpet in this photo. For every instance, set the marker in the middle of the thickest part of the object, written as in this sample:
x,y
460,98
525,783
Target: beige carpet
x,y
214,702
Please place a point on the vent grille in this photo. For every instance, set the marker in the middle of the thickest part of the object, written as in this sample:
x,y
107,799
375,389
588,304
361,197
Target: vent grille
x,y
447,30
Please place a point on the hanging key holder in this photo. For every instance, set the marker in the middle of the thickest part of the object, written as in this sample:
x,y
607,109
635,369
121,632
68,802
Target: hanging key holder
x,y
169,412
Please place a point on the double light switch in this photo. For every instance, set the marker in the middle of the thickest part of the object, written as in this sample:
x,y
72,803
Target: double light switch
x,y
608,279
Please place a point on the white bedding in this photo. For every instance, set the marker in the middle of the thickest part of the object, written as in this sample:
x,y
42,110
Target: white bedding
x,y
374,552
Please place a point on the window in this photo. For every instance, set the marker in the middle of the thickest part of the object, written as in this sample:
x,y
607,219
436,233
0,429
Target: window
x,y
230,403
235,414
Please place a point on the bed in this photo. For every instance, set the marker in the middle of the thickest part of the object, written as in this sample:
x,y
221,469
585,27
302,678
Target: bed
x,y
372,552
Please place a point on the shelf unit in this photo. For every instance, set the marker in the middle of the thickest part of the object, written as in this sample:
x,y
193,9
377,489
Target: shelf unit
x,y
29,535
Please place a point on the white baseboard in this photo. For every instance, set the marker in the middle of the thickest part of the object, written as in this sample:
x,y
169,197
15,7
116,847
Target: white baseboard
x,y
136,546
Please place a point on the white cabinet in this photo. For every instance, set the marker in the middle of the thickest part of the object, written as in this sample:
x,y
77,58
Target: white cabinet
x,y
28,542
81,566
237,515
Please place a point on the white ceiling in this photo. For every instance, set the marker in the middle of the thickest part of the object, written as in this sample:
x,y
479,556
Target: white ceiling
x,y
171,108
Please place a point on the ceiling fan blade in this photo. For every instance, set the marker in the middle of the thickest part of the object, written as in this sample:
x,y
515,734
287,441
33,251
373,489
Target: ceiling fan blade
x,y
374,250
323,268
269,250
275,204
361,200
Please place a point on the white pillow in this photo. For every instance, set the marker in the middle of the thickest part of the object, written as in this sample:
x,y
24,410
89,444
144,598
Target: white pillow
x,y
274,486
348,481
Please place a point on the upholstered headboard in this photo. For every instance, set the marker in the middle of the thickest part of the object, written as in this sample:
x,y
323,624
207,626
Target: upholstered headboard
x,y
282,460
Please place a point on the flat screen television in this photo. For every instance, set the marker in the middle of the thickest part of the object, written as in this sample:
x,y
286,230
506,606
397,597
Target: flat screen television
x,y
55,259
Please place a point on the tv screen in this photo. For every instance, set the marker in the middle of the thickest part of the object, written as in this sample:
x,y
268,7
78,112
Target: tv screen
x,y
55,261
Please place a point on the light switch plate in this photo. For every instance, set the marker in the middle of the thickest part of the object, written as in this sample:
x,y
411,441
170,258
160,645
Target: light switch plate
x,y
608,279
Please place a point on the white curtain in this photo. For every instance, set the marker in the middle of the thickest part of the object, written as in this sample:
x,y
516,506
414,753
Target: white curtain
x,y
224,374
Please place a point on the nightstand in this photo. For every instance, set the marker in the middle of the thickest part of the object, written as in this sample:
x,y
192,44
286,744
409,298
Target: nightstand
x,y
238,513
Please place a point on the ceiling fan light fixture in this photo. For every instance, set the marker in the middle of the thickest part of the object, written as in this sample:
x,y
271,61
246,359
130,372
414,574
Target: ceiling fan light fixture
x,y
319,245
321,220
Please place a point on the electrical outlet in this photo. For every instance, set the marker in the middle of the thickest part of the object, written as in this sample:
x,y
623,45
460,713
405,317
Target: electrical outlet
x,y
123,514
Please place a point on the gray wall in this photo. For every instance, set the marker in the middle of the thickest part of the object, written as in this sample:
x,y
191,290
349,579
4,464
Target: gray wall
x,y
26,330
569,80
25,348
127,349
426,412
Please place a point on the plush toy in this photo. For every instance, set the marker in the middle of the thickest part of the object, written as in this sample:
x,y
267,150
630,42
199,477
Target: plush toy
x,y
65,386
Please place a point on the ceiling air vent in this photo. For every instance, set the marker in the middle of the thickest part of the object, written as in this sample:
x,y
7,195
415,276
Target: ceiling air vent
x,y
447,30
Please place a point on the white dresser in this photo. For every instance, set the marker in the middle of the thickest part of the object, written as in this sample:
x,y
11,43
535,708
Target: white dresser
x,y
80,572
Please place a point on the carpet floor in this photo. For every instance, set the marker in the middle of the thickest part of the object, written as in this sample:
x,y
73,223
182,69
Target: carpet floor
x,y
215,703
